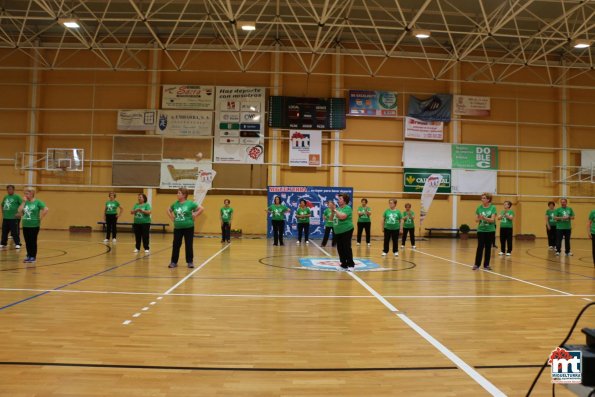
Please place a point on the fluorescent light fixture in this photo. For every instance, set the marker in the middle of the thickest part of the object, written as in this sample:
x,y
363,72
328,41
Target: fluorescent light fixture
x,y
421,33
71,23
581,43
247,26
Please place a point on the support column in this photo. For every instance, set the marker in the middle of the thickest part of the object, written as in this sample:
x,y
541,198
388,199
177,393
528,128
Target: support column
x,y
154,81
33,127
336,135
275,142
455,138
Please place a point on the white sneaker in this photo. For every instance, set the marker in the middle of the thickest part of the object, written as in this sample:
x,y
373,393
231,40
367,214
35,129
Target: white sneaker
x,y
500,253
356,243
135,251
17,246
557,253
413,247
569,254
396,254
105,240
384,254
307,242
2,246
550,248
508,254
114,240
369,245
402,246
297,242
147,251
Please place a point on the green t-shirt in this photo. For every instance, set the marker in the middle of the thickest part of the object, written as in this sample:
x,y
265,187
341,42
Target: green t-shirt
x,y
408,222
363,217
326,215
592,219
560,212
31,212
140,217
303,211
488,213
345,225
392,219
505,222
111,207
10,205
550,216
226,213
183,214
278,212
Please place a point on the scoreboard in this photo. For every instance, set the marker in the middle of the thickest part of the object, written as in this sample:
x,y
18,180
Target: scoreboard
x,y
307,113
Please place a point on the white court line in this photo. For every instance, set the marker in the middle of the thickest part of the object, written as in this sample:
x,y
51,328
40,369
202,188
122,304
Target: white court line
x,y
498,274
476,376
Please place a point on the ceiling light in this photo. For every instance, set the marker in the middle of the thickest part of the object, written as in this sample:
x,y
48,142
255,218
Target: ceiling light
x,y
421,33
72,23
581,43
247,26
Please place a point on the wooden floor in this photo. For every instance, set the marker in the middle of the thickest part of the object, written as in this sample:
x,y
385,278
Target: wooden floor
x,y
91,319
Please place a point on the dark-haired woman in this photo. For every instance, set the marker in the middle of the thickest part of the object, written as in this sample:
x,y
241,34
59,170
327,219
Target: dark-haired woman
x,y
142,222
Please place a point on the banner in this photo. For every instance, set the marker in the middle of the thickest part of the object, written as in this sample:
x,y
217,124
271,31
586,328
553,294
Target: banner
x,y
428,130
475,157
471,105
474,181
435,108
239,125
431,155
305,148
372,103
414,179
185,123
427,196
316,198
183,173
136,120
188,97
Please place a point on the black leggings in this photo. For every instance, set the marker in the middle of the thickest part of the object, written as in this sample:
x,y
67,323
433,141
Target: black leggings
x,y
361,226
188,235
566,234
12,226
485,240
506,239
303,228
30,234
344,248
411,232
111,221
225,231
551,236
278,230
593,247
391,235
141,231
327,233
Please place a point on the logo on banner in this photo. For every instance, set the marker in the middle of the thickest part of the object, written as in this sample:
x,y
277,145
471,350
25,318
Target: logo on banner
x,y
300,140
566,366
162,122
331,264
255,152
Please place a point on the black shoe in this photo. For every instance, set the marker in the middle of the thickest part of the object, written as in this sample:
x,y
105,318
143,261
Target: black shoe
x,y
172,265
190,265
275,244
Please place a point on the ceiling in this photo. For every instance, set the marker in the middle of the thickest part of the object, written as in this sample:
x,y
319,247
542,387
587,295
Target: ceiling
x,y
497,38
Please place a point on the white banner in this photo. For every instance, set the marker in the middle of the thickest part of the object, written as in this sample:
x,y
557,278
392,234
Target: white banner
x,y
136,120
182,173
471,105
185,123
474,182
427,196
188,97
427,155
305,148
239,125
419,129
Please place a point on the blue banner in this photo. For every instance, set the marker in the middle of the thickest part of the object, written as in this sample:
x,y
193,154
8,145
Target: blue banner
x,y
316,198
435,108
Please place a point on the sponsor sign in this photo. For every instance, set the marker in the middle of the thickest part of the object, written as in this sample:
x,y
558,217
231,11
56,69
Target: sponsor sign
x,y
475,157
414,180
372,103
195,97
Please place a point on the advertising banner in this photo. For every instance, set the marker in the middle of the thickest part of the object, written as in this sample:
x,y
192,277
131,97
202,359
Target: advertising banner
x,y
316,198
474,181
372,103
182,173
185,123
475,157
414,179
305,148
427,130
136,120
471,105
435,108
194,97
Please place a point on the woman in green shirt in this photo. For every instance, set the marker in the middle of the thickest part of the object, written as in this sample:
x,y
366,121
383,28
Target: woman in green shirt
x,y
363,221
31,211
343,229
408,226
550,225
277,212
328,223
591,232
226,213
392,227
505,219
486,231
111,214
10,221
142,222
303,213
182,213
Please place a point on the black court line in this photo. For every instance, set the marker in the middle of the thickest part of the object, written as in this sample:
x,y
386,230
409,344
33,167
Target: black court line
x,y
245,369
262,262
547,267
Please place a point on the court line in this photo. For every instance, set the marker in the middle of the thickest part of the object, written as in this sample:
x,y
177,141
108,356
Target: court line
x,y
472,373
499,274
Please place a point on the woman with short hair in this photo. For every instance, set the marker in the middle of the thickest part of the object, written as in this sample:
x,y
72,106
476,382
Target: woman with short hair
x,y
142,222
31,211
183,212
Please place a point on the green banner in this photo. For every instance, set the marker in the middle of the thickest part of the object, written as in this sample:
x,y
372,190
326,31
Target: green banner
x,y
414,179
475,157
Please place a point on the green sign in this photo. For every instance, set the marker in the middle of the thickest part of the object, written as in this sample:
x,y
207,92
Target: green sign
x,y
414,179
475,157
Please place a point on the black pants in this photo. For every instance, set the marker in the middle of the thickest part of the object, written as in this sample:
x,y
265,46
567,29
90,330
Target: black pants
x,y
506,239
303,228
141,231
388,236
278,230
344,248
12,226
551,236
188,235
30,234
361,226
225,231
563,233
327,233
110,224
485,240
593,247
411,232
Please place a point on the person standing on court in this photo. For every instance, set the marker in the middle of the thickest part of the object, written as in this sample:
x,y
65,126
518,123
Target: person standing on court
x,y
31,212
303,213
328,223
182,213
486,231
142,222
392,226
550,225
277,212
226,214
343,230
110,216
408,226
363,221
506,217
563,216
591,232
10,220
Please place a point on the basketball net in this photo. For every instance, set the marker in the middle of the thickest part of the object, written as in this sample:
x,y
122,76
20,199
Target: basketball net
x,y
204,183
